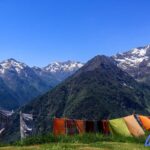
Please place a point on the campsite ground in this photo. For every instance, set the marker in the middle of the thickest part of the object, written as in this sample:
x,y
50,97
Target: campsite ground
x,y
78,146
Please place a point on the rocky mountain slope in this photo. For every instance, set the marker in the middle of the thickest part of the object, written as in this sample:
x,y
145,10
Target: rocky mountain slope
x,y
136,62
21,80
21,83
8,100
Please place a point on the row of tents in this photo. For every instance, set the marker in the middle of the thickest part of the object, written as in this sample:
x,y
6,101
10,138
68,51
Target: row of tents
x,y
133,125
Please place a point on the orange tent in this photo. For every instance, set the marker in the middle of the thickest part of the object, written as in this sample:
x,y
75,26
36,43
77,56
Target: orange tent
x,y
59,127
80,126
133,126
145,122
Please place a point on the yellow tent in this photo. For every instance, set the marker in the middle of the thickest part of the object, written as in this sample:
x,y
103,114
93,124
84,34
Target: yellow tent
x,y
119,127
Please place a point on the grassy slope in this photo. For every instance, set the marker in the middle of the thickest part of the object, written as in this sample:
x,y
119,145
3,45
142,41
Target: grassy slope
x,y
78,146
78,142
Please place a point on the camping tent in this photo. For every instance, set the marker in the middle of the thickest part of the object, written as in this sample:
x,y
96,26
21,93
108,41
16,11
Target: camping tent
x,y
59,127
133,126
145,122
80,126
119,127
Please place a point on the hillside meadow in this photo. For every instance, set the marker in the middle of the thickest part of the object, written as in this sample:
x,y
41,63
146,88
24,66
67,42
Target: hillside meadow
x,y
78,142
81,146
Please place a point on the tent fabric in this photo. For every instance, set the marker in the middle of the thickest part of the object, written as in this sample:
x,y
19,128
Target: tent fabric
x,y
126,126
138,120
100,126
119,127
105,124
89,127
133,126
80,124
145,122
103,127
59,126
71,127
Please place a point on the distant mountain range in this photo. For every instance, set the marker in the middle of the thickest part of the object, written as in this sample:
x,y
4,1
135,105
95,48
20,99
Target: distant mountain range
x,y
56,72
20,83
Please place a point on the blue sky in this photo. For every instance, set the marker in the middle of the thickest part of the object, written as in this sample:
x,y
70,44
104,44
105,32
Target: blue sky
x,y
38,32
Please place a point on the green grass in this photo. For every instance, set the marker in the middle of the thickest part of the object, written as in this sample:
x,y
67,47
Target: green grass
x,y
84,139
119,146
80,146
78,142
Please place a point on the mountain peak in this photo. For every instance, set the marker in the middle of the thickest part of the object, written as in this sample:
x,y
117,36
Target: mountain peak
x,y
102,59
99,61
136,62
140,51
11,64
134,57
12,59
144,47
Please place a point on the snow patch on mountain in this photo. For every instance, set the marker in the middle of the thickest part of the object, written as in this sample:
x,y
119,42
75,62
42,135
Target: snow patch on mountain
x,y
18,67
139,52
11,65
132,58
136,62
67,66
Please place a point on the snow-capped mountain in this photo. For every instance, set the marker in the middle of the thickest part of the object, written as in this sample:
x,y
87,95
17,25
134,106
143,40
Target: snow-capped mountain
x,y
20,83
11,65
21,80
66,66
136,62
61,70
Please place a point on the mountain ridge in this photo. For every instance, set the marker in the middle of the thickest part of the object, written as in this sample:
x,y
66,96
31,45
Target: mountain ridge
x,y
98,90
25,83
36,80
136,62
